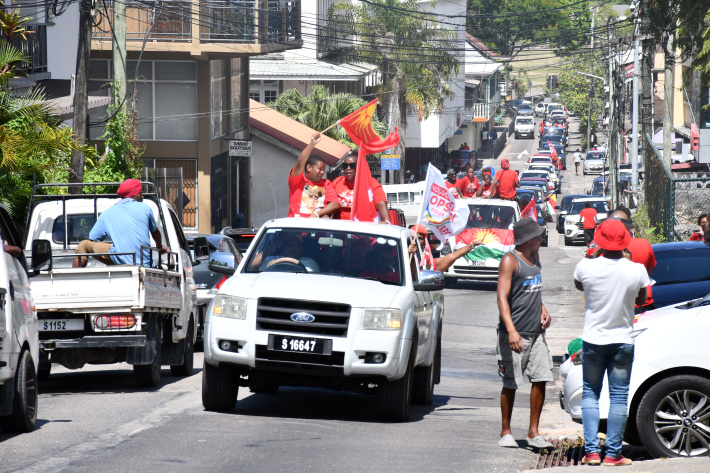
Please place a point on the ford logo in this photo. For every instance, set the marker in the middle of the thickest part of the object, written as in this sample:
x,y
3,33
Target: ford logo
x,y
303,317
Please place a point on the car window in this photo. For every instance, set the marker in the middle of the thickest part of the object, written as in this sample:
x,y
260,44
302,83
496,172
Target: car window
x,y
490,216
681,266
524,121
79,228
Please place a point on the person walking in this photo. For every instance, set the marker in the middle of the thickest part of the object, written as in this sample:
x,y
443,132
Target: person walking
x,y
505,182
522,348
484,139
588,217
611,285
577,161
310,196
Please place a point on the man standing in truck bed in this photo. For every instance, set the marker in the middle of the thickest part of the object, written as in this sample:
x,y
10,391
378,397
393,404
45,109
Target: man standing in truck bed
x,y
128,223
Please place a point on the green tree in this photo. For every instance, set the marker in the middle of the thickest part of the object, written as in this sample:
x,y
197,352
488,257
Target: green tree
x,y
574,93
415,53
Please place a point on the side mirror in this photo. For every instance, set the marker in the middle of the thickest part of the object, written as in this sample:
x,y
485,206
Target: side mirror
x,y
222,262
557,207
41,257
562,212
201,250
430,281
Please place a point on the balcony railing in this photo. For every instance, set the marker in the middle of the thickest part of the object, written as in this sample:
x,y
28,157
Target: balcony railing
x,y
34,47
217,21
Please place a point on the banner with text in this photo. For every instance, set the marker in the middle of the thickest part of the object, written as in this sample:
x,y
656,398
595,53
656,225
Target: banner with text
x,y
444,215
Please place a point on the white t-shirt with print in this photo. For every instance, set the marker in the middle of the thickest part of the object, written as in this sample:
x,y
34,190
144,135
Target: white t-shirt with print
x,y
610,288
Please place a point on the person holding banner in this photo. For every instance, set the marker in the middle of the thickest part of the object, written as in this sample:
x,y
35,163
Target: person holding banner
x,y
310,196
439,264
345,186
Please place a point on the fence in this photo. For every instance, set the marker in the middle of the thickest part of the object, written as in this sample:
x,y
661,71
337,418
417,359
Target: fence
x,y
674,201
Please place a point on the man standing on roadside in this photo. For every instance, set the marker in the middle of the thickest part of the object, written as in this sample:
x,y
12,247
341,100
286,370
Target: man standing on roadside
x,y
577,161
310,195
521,347
588,217
611,285
505,182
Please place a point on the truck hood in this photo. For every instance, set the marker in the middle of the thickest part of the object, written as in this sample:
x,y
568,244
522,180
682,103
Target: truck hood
x,y
314,287
659,318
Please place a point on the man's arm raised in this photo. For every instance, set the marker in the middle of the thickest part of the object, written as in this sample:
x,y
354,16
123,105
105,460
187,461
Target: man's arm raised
x,y
305,154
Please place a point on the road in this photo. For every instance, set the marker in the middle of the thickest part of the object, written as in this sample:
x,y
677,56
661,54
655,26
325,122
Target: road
x,y
96,419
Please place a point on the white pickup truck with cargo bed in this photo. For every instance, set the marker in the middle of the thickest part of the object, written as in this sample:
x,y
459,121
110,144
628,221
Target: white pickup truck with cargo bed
x,y
141,313
326,303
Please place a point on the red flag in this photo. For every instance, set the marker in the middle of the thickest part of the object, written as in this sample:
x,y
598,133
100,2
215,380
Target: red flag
x,y
359,126
530,210
555,158
363,209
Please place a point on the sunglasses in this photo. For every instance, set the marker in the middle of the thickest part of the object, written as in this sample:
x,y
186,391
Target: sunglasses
x,y
349,165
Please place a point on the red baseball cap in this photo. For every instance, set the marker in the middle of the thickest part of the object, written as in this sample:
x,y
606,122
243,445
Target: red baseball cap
x,y
420,229
612,235
504,164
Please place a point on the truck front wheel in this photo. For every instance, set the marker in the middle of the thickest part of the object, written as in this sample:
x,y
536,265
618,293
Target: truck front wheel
x,y
219,390
424,380
395,397
148,376
24,402
188,361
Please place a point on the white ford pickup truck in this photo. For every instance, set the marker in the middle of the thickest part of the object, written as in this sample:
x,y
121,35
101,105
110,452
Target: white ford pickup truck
x,y
326,303
141,313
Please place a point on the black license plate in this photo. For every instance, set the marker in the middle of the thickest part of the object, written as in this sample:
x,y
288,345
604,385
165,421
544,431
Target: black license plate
x,y
317,346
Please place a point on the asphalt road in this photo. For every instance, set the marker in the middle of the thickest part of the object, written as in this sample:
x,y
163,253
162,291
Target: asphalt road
x,y
96,419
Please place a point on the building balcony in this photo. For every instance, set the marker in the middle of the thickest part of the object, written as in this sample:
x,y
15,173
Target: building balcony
x,y
34,47
251,27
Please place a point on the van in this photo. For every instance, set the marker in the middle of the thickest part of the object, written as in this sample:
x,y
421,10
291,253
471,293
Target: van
x,y
406,197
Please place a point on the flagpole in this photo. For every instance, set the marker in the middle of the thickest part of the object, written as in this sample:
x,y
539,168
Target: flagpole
x,y
331,126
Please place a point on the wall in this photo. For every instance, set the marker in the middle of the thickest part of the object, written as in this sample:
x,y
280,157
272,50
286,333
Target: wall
x,y
270,166
62,41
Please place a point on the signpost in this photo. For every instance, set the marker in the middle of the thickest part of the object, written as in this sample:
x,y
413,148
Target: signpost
x,y
391,163
241,148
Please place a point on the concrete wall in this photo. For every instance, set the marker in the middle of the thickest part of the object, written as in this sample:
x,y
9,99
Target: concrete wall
x,y
270,166
62,41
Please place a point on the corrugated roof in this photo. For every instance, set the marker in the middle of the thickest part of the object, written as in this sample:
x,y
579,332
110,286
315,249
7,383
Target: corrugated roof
x,y
281,69
293,133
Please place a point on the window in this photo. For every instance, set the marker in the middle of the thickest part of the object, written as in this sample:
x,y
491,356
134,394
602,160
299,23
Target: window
x,y
218,98
157,83
263,91
238,110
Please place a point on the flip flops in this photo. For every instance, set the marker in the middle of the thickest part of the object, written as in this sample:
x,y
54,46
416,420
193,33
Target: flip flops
x,y
507,441
539,442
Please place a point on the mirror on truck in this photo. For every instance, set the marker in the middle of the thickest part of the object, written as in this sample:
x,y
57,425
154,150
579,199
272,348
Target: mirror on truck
x,y
222,262
430,281
41,257
201,250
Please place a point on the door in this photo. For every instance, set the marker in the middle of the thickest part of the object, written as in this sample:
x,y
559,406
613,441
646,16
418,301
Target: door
x,y
423,305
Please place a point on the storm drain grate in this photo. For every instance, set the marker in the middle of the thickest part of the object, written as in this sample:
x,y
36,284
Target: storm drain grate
x,y
567,452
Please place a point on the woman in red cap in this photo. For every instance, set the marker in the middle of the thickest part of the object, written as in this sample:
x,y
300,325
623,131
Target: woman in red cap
x,y
506,182
439,264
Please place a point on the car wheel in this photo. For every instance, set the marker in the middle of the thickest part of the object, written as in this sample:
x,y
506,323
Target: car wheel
x,y
568,241
395,397
424,381
516,136
544,240
219,390
24,403
188,360
673,417
148,376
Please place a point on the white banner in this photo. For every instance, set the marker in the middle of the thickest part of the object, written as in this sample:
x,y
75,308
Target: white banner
x,y
444,215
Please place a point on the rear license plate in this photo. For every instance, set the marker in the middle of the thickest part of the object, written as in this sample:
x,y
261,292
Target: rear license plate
x,y
61,325
316,346
479,262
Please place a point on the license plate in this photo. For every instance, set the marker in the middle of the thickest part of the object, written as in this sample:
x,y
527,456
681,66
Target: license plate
x,y
479,262
316,346
61,325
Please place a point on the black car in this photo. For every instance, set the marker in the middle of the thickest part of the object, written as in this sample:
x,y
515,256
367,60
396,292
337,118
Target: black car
x,y
564,204
241,236
682,272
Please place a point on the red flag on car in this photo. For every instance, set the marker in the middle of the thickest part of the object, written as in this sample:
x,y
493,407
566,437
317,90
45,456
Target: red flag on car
x,y
530,210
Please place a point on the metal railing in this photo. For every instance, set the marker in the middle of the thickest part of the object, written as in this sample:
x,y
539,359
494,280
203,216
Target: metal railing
x,y
166,21
34,47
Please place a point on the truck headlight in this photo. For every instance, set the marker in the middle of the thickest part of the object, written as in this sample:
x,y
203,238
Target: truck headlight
x,y
382,319
229,306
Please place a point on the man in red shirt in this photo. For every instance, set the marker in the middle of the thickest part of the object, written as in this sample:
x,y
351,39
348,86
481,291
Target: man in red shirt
x,y
451,183
310,196
468,185
505,182
588,217
344,186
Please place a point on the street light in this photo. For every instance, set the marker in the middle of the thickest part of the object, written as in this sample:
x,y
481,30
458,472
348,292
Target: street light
x,y
589,117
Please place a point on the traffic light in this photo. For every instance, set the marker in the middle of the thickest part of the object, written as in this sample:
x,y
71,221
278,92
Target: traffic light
x,y
549,82
694,138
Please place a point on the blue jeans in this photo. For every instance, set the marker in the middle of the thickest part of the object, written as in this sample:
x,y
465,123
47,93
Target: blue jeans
x,y
614,359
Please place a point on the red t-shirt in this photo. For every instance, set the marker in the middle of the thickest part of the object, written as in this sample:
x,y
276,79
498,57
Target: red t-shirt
x,y
486,189
642,253
452,188
306,196
588,217
344,189
469,188
696,236
507,178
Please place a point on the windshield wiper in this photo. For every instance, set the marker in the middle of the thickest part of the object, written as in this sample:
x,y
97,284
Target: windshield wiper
x,y
383,281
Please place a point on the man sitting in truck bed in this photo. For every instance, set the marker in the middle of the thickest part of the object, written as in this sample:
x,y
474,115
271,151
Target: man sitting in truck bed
x,y
128,224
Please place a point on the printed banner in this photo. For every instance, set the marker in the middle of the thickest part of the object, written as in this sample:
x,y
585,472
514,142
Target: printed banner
x,y
440,211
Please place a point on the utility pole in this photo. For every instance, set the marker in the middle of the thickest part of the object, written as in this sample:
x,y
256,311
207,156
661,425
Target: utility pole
x,y
119,47
76,172
613,125
668,85
591,87
647,119
635,105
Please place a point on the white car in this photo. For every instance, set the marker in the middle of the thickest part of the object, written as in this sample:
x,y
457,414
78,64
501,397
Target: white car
x,y
669,393
593,165
573,232
524,125
490,220
540,109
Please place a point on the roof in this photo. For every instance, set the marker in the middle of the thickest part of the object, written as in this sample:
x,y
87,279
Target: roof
x,y
293,133
282,69
483,48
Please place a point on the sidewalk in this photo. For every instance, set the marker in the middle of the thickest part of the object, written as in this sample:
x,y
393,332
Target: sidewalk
x,y
663,465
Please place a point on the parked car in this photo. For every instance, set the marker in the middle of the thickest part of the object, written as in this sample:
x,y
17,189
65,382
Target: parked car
x,y
207,282
682,272
564,206
405,197
669,391
573,232
593,164
461,158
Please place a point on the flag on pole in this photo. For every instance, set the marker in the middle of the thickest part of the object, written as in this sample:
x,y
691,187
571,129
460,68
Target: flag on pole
x,y
444,215
363,209
553,155
551,204
496,242
530,210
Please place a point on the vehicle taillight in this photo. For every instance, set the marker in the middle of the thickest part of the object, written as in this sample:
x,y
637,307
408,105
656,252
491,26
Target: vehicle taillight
x,y
114,321
221,281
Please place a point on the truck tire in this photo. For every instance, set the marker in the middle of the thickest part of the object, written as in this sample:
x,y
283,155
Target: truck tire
x,y
43,371
24,402
437,358
395,397
188,361
219,390
148,376
424,381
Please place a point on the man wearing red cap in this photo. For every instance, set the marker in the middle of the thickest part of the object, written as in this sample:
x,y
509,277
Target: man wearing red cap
x,y
611,285
506,182
128,223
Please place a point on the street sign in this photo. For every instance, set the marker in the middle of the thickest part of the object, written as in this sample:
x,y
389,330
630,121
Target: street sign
x,y
240,148
390,164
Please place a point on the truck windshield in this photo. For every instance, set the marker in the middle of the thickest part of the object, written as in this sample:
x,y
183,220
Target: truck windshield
x,y
342,254
490,216
524,121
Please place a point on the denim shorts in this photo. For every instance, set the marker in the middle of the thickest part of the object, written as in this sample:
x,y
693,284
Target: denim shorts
x,y
535,361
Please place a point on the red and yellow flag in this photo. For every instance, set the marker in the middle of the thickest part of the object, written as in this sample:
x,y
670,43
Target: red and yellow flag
x,y
359,126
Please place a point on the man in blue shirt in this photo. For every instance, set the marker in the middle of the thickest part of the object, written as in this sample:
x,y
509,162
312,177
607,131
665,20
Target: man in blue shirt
x,y
128,223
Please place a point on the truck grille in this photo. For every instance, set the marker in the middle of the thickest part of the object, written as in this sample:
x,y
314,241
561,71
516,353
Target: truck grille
x,y
330,318
300,363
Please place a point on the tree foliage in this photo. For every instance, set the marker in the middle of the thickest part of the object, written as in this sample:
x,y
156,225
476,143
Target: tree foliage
x,y
574,93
